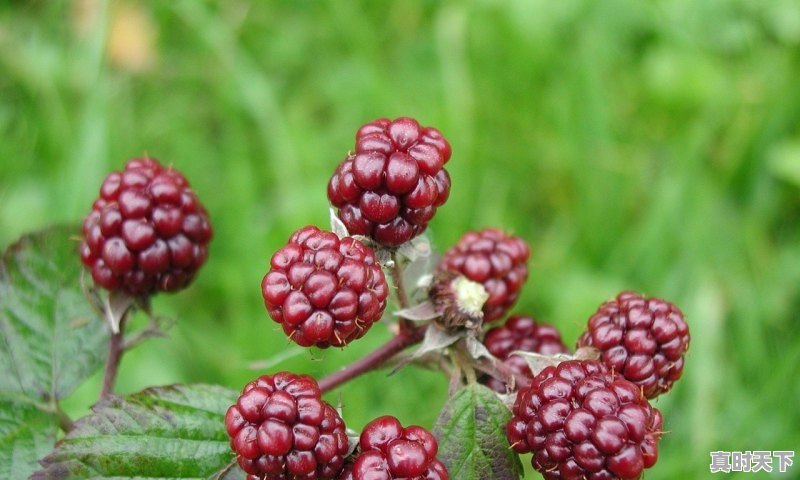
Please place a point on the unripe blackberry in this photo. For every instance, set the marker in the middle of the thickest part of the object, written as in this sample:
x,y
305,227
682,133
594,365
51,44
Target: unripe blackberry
x,y
281,429
389,451
495,260
390,187
581,421
458,300
324,290
520,334
642,339
146,232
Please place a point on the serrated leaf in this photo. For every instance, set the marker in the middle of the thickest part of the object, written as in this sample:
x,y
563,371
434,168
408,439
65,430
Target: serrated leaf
x,y
472,441
51,339
26,435
163,432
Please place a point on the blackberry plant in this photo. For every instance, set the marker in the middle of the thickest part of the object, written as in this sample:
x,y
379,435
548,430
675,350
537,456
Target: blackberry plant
x,y
514,388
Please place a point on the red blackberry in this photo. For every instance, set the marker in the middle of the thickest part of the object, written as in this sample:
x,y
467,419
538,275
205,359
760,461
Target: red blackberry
x,y
520,333
146,232
390,187
389,451
642,339
281,429
324,290
495,260
583,422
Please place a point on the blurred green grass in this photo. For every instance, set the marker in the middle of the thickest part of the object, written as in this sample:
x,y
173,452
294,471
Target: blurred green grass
x,y
652,146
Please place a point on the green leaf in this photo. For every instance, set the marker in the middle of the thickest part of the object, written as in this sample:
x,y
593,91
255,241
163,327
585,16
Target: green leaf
x,y
50,337
164,432
26,435
472,440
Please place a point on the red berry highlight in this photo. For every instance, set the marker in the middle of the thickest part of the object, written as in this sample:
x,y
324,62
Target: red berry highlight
x,y
146,232
390,187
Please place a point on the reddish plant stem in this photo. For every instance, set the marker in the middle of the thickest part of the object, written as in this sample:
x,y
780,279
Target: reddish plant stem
x,y
375,359
116,347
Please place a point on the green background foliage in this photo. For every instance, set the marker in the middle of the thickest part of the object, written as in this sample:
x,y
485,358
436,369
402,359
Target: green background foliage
x,y
652,146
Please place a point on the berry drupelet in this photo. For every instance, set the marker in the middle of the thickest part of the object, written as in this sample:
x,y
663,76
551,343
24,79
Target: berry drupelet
x,y
389,451
582,421
643,339
146,232
324,290
495,260
281,429
520,333
390,187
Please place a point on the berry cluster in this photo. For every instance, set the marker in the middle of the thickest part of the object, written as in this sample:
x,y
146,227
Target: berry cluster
x,y
582,421
644,340
390,187
146,232
324,290
328,291
591,418
580,418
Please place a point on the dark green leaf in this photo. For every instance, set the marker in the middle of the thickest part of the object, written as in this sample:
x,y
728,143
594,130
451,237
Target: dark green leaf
x,y
472,440
165,432
27,433
50,337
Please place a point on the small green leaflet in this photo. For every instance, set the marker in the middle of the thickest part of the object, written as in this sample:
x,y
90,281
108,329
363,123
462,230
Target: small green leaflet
x,y
472,440
159,433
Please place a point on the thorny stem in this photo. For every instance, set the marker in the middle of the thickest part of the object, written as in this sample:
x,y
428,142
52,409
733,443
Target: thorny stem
x,y
116,347
378,357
